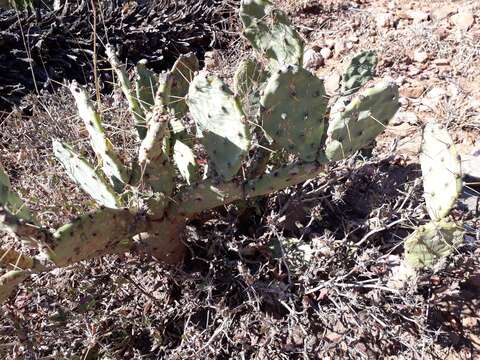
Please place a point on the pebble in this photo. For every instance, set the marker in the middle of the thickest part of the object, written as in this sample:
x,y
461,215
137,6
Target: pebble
x,y
385,20
312,59
463,20
340,47
332,83
420,56
326,53
442,12
441,62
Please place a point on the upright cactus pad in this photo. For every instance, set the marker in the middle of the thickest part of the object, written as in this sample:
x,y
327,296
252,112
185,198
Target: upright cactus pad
x,y
10,200
293,111
80,171
133,103
441,169
111,164
271,33
360,70
248,82
146,84
185,160
354,124
431,242
222,123
177,82
9,282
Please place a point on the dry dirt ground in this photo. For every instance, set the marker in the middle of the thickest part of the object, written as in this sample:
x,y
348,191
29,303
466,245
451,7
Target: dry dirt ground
x,y
304,276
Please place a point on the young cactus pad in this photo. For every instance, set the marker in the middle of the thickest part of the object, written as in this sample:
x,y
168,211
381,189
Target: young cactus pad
x,y
10,200
146,84
441,169
360,70
293,109
431,242
271,33
248,82
222,123
354,124
80,171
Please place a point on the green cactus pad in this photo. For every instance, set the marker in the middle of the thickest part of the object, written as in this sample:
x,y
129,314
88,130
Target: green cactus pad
x,y
221,122
431,242
248,82
180,77
92,235
293,109
9,282
80,171
146,84
271,33
354,124
10,200
134,105
441,169
156,167
111,164
360,70
185,160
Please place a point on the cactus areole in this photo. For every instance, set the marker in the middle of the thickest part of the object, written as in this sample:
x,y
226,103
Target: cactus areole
x,y
144,206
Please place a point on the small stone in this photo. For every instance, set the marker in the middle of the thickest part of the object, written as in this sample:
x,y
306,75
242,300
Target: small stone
x,y
416,15
332,83
463,21
385,20
340,47
441,62
433,98
326,53
404,117
420,56
414,91
353,39
312,59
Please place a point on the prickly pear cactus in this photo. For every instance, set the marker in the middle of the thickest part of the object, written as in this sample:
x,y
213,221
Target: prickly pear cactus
x,y
292,111
441,169
271,33
10,200
359,71
355,123
249,82
432,242
146,85
89,179
223,125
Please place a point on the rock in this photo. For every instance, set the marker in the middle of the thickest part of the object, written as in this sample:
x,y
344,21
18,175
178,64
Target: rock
x,y
412,91
441,62
353,39
442,12
332,83
404,117
312,59
416,15
340,47
420,56
463,20
433,98
326,53
385,20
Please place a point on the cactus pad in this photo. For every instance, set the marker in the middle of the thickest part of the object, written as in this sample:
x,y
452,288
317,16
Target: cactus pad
x,y
271,33
248,82
431,242
293,110
10,200
360,70
92,235
222,123
354,124
185,160
134,105
9,282
111,164
146,84
441,169
80,171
